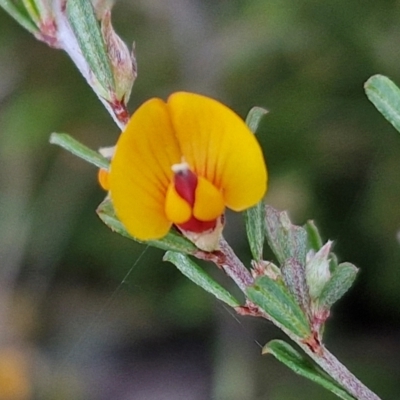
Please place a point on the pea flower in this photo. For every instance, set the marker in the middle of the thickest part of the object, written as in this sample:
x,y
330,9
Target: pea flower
x,y
181,162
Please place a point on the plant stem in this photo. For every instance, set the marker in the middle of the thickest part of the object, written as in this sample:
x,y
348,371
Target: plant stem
x,y
330,364
235,269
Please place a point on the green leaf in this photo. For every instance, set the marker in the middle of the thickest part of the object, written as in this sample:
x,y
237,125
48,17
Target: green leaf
x,y
294,275
172,241
340,282
87,31
197,275
254,117
285,239
72,145
273,297
313,236
385,96
20,15
333,262
32,10
254,218
287,355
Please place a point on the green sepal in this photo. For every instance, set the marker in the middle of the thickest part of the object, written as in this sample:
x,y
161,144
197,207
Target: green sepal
x,y
70,144
83,21
254,218
19,13
197,275
339,283
274,298
314,239
285,239
385,96
172,241
301,365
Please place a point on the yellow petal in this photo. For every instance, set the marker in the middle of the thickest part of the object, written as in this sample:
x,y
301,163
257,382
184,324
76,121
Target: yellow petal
x,y
218,145
209,203
141,171
177,209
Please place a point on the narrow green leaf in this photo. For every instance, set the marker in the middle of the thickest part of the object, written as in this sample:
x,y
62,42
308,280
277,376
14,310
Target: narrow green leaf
x,y
197,275
87,31
287,355
254,118
385,96
172,241
285,239
294,275
67,142
333,262
339,283
20,15
273,297
314,238
32,10
254,218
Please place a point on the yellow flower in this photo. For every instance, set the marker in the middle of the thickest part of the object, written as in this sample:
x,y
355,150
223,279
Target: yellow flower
x,y
181,162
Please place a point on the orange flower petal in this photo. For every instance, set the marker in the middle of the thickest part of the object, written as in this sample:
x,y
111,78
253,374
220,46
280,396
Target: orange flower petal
x,y
218,145
141,171
102,177
209,203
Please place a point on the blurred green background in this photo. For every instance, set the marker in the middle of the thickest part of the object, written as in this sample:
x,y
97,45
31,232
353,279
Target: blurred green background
x,y
87,314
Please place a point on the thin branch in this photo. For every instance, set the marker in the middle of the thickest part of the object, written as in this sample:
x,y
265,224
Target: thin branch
x,y
233,267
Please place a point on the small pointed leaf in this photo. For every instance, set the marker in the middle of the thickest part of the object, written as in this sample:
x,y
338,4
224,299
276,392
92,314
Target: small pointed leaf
x,y
339,283
385,96
255,226
197,275
32,10
83,21
294,275
314,238
255,216
70,144
273,297
19,13
333,262
285,239
172,241
287,355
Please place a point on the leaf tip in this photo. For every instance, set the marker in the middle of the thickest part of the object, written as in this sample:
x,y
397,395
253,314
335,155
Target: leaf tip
x,y
265,350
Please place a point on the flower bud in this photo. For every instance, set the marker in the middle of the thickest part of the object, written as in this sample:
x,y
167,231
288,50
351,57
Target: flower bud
x,y
123,62
317,269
